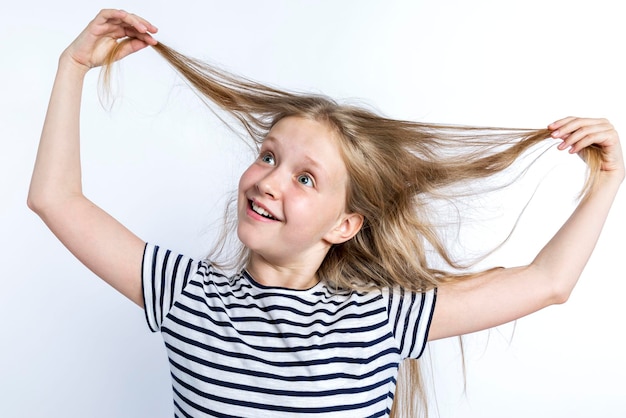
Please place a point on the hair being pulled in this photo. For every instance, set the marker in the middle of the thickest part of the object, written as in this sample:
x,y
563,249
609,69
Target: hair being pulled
x,y
395,168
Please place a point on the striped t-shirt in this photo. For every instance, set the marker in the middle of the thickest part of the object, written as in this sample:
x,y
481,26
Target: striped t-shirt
x,y
240,349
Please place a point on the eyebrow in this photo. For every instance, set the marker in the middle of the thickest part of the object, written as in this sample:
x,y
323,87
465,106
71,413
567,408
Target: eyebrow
x,y
310,161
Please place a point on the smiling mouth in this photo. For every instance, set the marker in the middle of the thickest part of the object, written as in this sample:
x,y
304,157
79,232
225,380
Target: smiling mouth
x,y
261,211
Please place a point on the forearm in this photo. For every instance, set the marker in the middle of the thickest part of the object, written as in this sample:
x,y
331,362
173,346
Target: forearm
x,y
563,259
57,172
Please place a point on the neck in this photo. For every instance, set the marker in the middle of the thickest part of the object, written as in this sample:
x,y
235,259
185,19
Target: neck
x,y
297,277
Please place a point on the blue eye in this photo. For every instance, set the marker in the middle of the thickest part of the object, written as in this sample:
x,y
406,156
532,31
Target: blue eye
x,y
305,180
267,158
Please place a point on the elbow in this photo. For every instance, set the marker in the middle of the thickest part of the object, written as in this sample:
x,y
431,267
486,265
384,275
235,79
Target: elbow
x,y
44,203
561,288
37,203
33,203
555,286
560,295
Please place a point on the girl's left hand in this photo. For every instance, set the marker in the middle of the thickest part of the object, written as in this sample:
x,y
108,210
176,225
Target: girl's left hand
x,y
579,133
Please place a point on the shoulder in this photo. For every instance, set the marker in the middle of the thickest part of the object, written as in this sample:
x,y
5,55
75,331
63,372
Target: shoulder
x,y
410,305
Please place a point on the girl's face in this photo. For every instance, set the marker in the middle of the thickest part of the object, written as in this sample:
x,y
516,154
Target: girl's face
x,y
291,202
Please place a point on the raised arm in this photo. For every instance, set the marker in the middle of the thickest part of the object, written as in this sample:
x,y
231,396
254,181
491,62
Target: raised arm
x,y
94,237
503,295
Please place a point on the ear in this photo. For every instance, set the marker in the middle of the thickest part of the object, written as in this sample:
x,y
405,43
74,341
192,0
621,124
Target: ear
x,y
347,227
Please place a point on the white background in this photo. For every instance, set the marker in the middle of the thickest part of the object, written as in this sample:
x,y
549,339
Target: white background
x,y
161,163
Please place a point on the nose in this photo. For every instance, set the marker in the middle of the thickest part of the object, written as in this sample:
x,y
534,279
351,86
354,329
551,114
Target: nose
x,y
270,185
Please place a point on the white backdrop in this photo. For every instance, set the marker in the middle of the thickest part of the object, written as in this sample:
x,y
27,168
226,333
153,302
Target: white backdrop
x,y
160,162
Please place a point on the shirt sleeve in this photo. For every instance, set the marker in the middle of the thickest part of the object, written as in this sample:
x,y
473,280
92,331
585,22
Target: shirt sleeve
x,y
164,275
410,315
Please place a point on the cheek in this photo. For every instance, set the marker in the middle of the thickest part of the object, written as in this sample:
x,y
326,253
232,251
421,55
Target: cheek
x,y
314,215
247,179
245,182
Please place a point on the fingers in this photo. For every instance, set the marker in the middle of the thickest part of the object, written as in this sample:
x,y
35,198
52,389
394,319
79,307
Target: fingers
x,y
116,16
119,24
132,32
140,28
579,133
554,126
103,34
129,46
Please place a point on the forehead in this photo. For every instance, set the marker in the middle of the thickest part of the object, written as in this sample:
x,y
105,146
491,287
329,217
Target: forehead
x,y
312,141
302,128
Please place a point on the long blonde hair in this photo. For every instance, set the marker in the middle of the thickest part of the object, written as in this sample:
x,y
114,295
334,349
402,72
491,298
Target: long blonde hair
x,y
395,167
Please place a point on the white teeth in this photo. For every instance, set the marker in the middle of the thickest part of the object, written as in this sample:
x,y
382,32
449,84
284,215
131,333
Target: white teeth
x,y
261,211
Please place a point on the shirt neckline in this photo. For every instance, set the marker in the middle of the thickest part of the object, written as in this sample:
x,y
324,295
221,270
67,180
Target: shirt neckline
x,y
252,281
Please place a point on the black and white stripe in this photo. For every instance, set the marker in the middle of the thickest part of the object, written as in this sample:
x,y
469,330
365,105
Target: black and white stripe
x,y
240,349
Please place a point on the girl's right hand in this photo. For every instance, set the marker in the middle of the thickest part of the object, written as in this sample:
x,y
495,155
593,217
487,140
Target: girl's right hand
x,y
103,33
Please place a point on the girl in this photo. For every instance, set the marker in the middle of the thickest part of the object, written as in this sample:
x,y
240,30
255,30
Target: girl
x,y
335,288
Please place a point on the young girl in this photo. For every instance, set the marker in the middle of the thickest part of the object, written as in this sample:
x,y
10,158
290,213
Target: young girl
x,y
335,289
